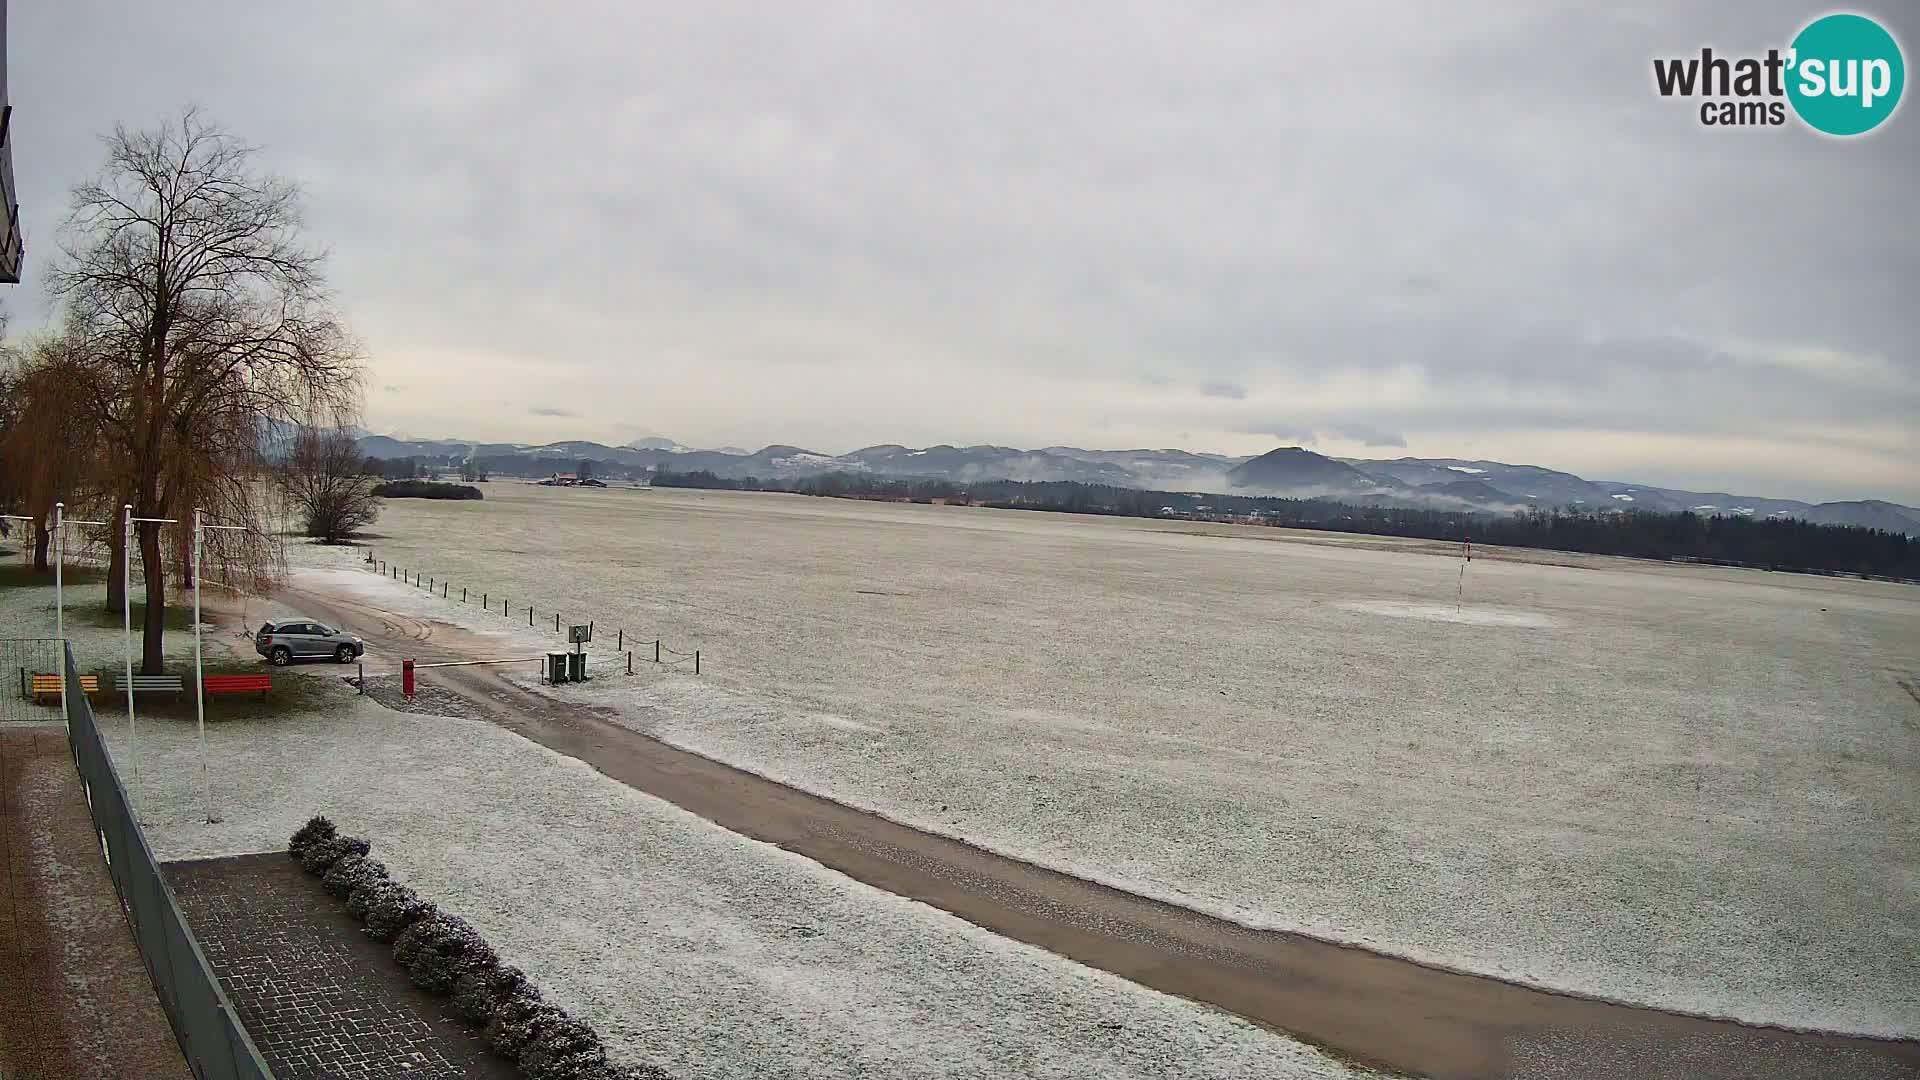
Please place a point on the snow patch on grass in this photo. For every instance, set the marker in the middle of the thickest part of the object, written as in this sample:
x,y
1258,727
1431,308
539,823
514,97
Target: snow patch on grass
x,y
683,944
1471,616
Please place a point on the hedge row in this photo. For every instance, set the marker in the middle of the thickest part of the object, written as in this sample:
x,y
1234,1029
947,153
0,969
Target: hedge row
x,y
445,955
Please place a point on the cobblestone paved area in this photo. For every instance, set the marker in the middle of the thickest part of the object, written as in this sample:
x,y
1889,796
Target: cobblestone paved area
x,y
320,998
75,997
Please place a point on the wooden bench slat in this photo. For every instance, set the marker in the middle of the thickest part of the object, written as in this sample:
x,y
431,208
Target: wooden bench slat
x,y
55,685
174,684
237,684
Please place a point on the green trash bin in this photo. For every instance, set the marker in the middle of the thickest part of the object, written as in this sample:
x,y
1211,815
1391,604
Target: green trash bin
x,y
556,667
577,667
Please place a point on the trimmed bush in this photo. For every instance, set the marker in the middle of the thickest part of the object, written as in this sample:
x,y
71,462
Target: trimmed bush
x,y
349,872
316,829
518,1019
390,913
322,854
439,949
563,1049
365,893
476,994
444,954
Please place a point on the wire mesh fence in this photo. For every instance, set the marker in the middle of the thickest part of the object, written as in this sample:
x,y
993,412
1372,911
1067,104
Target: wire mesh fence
x,y
31,670
215,1042
643,650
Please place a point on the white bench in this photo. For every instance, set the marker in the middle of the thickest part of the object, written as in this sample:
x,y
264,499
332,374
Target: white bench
x,y
156,684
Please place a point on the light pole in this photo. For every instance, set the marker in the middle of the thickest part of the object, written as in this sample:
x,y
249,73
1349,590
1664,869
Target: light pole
x,y
199,687
60,523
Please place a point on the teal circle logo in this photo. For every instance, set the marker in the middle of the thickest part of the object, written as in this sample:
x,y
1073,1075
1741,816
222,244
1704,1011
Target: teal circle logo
x,y
1845,74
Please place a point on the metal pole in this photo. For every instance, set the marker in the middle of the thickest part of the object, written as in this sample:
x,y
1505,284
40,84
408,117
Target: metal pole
x,y
656,650
199,687
696,661
126,625
60,599
59,596
620,641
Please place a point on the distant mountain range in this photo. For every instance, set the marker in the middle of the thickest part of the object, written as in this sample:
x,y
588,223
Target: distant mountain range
x,y
1289,471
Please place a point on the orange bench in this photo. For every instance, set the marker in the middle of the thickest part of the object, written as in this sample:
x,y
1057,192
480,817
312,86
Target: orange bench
x,y
237,684
52,686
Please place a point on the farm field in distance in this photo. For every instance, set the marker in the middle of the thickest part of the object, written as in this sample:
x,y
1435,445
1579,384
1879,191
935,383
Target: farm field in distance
x,y
1684,787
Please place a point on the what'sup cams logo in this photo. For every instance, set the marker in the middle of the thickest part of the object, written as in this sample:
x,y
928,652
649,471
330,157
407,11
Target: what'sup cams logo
x,y
1842,75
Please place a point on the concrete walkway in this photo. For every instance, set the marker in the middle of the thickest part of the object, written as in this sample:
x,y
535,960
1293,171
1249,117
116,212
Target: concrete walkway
x,y
75,997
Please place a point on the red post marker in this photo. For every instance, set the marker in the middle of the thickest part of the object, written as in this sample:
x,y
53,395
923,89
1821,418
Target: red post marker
x,y
406,676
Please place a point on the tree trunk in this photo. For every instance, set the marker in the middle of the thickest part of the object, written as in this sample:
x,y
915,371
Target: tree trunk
x,y
116,569
152,656
42,544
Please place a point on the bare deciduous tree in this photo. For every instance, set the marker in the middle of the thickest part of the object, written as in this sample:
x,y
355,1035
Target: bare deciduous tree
x,y
183,269
324,479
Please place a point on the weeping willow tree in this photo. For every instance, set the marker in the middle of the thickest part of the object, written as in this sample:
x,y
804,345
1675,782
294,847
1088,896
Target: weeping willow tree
x,y
206,319
50,444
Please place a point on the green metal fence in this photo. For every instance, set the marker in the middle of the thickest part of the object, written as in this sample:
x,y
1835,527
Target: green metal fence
x,y
215,1042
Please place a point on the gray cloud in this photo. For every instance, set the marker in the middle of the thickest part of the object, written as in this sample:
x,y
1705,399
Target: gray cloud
x,y
547,410
1231,390
1364,434
1483,235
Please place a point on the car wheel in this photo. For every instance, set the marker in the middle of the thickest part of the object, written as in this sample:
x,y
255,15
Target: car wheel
x,y
281,656
344,654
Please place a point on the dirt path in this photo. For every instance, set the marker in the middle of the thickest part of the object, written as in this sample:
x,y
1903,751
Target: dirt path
x,y
1375,1010
75,997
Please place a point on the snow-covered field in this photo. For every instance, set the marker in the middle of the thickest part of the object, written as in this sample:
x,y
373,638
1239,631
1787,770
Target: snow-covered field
x,y
683,944
1686,787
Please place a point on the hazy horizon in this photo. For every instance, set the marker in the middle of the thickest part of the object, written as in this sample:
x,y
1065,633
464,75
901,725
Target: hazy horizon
x,y
839,451
1474,232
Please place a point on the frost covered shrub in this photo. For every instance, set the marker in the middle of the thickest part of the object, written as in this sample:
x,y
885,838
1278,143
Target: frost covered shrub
x,y
562,1049
322,854
439,949
349,872
477,994
518,1019
390,912
316,829
610,1071
366,893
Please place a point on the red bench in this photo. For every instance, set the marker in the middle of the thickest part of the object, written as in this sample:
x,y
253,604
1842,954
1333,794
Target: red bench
x,y
237,684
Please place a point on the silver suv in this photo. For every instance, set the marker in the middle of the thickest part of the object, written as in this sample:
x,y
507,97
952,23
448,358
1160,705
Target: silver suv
x,y
285,641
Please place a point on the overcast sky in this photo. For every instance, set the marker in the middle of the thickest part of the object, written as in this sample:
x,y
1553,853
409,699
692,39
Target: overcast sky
x,y
1373,229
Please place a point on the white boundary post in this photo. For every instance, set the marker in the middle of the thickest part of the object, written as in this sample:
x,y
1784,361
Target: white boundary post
x,y
126,644
59,594
199,690
60,523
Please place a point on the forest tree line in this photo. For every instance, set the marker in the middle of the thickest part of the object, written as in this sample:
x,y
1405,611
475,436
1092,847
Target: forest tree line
x,y
1768,543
